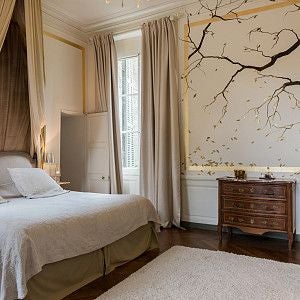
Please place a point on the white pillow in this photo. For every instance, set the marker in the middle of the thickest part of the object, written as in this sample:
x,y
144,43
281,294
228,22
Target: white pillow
x,y
34,183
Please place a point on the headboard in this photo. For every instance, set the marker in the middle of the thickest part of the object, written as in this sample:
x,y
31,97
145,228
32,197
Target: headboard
x,y
12,160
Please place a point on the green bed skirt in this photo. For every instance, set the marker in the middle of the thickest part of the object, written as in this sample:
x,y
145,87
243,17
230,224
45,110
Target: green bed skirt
x,y
60,279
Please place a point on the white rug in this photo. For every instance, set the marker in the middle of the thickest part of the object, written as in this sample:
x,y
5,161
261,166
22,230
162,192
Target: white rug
x,y
188,273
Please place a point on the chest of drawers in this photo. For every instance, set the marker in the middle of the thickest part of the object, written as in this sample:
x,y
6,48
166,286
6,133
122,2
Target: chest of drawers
x,y
257,206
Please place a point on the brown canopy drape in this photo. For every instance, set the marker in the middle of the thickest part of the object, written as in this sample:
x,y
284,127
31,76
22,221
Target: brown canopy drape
x,y
14,98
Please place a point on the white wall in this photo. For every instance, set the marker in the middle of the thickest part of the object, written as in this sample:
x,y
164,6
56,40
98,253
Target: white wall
x,y
64,86
199,185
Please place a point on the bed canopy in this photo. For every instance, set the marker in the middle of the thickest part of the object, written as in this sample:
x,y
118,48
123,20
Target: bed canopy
x,y
22,118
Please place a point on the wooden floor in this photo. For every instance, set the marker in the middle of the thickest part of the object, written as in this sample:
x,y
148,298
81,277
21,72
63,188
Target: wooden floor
x,y
262,247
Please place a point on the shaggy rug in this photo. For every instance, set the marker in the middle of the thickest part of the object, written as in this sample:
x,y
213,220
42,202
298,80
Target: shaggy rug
x,y
188,273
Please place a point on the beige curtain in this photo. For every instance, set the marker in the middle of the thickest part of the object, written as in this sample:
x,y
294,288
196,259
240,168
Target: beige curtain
x,y
6,11
35,59
160,148
107,90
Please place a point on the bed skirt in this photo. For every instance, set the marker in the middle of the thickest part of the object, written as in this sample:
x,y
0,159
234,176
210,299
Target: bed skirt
x,y
59,279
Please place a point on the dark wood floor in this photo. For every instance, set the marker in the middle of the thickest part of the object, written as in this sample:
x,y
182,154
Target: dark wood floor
x,y
262,247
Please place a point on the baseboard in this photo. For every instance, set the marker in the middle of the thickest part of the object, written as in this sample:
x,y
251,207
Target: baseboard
x,y
190,225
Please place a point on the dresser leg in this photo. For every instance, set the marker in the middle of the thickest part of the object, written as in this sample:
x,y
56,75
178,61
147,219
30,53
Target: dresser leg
x,y
220,232
291,240
229,231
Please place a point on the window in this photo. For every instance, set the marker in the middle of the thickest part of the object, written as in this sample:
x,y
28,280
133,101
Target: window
x,y
129,104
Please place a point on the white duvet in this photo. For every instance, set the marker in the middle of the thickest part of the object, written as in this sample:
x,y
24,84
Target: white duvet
x,y
35,232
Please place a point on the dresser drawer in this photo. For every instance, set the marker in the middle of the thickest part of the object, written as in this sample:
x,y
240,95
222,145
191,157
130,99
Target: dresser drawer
x,y
257,206
254,221
263,190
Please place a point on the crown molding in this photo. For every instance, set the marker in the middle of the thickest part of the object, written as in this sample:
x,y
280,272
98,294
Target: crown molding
x,y
118,20
61,21
58,20
64,22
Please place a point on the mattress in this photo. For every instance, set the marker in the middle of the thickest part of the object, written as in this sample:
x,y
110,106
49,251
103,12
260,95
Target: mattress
x,y
36,232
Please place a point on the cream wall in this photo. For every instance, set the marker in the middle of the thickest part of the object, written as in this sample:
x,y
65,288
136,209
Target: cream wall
x,y
64,84
199,185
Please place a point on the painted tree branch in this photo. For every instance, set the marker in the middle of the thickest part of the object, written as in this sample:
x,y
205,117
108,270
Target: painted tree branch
x,y
198,52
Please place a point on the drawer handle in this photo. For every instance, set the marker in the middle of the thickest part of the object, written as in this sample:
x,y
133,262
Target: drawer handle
x,y
241,190
238,205
265,222
269,193
275,207
241,220
252,190
275,223
252,221
231,219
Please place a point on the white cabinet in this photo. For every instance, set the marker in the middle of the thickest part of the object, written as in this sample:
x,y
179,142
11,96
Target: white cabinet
x,y
97,153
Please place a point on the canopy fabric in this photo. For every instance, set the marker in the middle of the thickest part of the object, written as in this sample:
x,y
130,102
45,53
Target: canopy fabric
x,y
35,65
13,12
6,11
14,99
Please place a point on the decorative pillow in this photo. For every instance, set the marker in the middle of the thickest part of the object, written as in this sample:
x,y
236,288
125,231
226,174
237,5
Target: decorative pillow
x,y
34,183
3,200
9,190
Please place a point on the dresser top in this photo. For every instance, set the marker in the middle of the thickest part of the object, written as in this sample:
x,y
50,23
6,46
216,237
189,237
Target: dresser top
x,y
257,180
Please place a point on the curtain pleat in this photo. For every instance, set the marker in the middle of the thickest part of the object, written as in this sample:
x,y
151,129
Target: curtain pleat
x,y
6,11
160,146
35,59
14,103
108,101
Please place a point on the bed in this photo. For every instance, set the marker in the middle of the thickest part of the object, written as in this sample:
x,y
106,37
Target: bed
x,y
52,246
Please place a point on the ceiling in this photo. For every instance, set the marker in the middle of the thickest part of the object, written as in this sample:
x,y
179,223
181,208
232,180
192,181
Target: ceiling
x,y
88,12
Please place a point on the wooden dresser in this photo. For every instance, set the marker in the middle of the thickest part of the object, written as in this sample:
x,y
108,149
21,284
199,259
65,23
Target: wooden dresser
x,y
257,206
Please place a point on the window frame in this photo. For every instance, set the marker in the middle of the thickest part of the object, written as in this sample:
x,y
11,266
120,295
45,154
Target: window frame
x,y
131,170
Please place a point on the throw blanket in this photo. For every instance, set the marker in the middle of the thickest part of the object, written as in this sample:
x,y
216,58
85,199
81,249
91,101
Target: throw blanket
x,y
36,232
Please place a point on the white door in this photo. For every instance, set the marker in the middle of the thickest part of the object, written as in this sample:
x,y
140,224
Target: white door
x,y
97,153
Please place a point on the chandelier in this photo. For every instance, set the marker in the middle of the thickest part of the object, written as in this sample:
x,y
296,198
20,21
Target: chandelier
x,y
138,2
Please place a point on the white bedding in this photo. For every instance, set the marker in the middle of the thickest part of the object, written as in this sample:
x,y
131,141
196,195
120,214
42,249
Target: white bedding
x,y
35,232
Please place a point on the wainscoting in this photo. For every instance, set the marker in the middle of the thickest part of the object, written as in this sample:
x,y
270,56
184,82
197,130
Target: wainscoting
x,y
131,181
200,200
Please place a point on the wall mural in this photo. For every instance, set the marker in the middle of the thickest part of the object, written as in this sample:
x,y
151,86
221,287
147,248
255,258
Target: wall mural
x,y
242,86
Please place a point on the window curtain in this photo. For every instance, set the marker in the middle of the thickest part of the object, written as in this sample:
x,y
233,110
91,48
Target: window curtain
x,y
6,11
160,148
108,101
35,59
